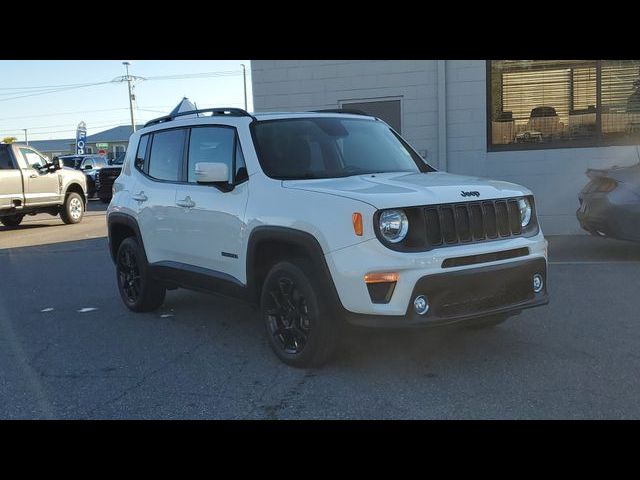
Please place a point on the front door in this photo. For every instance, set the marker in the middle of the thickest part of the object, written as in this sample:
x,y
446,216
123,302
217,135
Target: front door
x,y
41,187
212,216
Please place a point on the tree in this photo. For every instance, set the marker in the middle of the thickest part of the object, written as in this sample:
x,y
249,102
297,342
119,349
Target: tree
x,y
9,139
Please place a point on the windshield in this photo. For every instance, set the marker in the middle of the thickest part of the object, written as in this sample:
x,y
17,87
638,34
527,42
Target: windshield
x,y
331,147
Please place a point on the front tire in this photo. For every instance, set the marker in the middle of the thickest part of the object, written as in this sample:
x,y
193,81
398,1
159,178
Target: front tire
x,y
301,331
11,220
73,209
139,291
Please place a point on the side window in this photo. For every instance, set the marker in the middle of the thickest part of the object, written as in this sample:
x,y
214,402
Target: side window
x,y
32,158
241,166
5,159
165,160
88,162
142,151
210,145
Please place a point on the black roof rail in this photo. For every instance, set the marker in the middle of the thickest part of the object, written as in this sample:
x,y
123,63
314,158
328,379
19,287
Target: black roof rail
x,y
234,112
343,110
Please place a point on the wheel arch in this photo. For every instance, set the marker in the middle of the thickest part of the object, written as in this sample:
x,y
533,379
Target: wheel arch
x,y
119,227
74,187
269,244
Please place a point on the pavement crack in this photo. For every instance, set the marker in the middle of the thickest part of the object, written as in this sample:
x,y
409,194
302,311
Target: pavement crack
x,y
147,376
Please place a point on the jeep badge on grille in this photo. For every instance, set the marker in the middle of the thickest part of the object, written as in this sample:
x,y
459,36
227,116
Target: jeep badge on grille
x,y
470,194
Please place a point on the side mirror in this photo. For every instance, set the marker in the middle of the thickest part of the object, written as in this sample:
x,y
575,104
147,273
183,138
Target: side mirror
x,y
212,172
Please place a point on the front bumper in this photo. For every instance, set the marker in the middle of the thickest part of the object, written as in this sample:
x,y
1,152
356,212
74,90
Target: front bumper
x,y
465,294
614,214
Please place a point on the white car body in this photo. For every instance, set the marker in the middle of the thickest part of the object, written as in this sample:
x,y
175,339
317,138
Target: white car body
x,y
210,229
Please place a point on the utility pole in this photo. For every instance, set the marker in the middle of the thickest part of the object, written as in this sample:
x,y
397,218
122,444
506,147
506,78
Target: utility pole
x,y
244,78
131,97
26,140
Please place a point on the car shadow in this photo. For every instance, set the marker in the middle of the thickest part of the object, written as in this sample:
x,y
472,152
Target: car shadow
x,y
229,324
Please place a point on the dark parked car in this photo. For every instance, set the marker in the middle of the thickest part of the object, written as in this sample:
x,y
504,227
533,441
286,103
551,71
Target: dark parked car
x,y
610,203
106,176
90,164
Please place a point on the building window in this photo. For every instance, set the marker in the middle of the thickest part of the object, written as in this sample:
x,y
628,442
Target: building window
x,y
388,110
89,150
562,103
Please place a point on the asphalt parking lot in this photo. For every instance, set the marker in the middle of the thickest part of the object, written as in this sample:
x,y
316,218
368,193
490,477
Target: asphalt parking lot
x,y
70,349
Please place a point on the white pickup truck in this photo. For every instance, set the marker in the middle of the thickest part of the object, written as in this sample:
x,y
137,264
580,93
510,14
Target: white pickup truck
x,y
31,184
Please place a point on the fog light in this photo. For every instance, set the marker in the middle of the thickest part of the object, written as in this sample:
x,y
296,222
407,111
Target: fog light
x,y
420,305
538,283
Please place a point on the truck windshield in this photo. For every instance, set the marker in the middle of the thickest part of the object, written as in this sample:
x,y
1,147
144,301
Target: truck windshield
x,y
327,147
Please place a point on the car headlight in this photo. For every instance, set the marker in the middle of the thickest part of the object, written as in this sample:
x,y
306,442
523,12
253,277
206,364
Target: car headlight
x,y
393,225
524,205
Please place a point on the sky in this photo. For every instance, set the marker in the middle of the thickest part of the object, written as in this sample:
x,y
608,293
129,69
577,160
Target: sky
x,y
28,98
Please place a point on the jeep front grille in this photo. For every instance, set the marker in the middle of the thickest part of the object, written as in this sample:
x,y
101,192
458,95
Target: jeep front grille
x,y
451,224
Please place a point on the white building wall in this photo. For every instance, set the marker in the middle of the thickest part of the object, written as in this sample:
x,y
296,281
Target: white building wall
x,y
293,85
554,175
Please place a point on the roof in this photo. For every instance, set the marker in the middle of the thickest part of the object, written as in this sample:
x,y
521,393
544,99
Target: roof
x,y
283,115
116,134
52,145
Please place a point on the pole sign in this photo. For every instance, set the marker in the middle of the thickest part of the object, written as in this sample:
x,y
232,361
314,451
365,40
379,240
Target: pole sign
x,y
81,138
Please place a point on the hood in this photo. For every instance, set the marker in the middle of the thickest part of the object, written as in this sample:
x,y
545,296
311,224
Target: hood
x,y
401,189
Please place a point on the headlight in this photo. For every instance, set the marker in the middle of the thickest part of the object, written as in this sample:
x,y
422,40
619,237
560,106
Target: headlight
x,y
524,205
394,225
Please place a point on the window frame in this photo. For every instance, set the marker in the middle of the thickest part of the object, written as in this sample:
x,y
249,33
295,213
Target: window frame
x,y
232,170
598,140
183,171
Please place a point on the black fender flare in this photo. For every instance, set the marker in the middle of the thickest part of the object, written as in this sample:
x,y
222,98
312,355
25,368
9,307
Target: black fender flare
x,y
118,218
302,239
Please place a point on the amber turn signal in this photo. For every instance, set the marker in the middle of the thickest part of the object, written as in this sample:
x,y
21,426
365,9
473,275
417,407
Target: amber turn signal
x,y
381,277
356,218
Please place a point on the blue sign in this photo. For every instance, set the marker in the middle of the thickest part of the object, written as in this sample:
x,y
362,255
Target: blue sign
x,y
81,138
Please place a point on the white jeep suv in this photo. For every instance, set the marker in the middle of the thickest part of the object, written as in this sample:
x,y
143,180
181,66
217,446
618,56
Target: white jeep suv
x,y
319,218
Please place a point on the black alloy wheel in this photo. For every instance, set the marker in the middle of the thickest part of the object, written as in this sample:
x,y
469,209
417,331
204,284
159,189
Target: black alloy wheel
x,y
287,316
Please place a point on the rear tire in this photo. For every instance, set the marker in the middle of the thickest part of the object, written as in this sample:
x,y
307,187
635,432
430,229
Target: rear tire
x,y
73,209
300,329
11,220
139,291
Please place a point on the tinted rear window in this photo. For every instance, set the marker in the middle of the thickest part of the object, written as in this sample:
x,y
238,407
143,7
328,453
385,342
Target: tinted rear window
x,y
165,160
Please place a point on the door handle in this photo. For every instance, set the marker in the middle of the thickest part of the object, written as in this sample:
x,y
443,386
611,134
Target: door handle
x,y
186,203
33,175
139,197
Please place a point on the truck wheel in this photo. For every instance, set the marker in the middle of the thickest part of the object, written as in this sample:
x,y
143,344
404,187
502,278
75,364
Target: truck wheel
x,y
300,329
73,209
139,291
11,220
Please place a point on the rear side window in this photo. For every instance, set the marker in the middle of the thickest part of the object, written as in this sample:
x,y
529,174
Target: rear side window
x,y
141,153
210,145
165,160
5,159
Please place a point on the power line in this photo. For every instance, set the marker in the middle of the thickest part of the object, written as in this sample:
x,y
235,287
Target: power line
x,y
45,92
158,77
